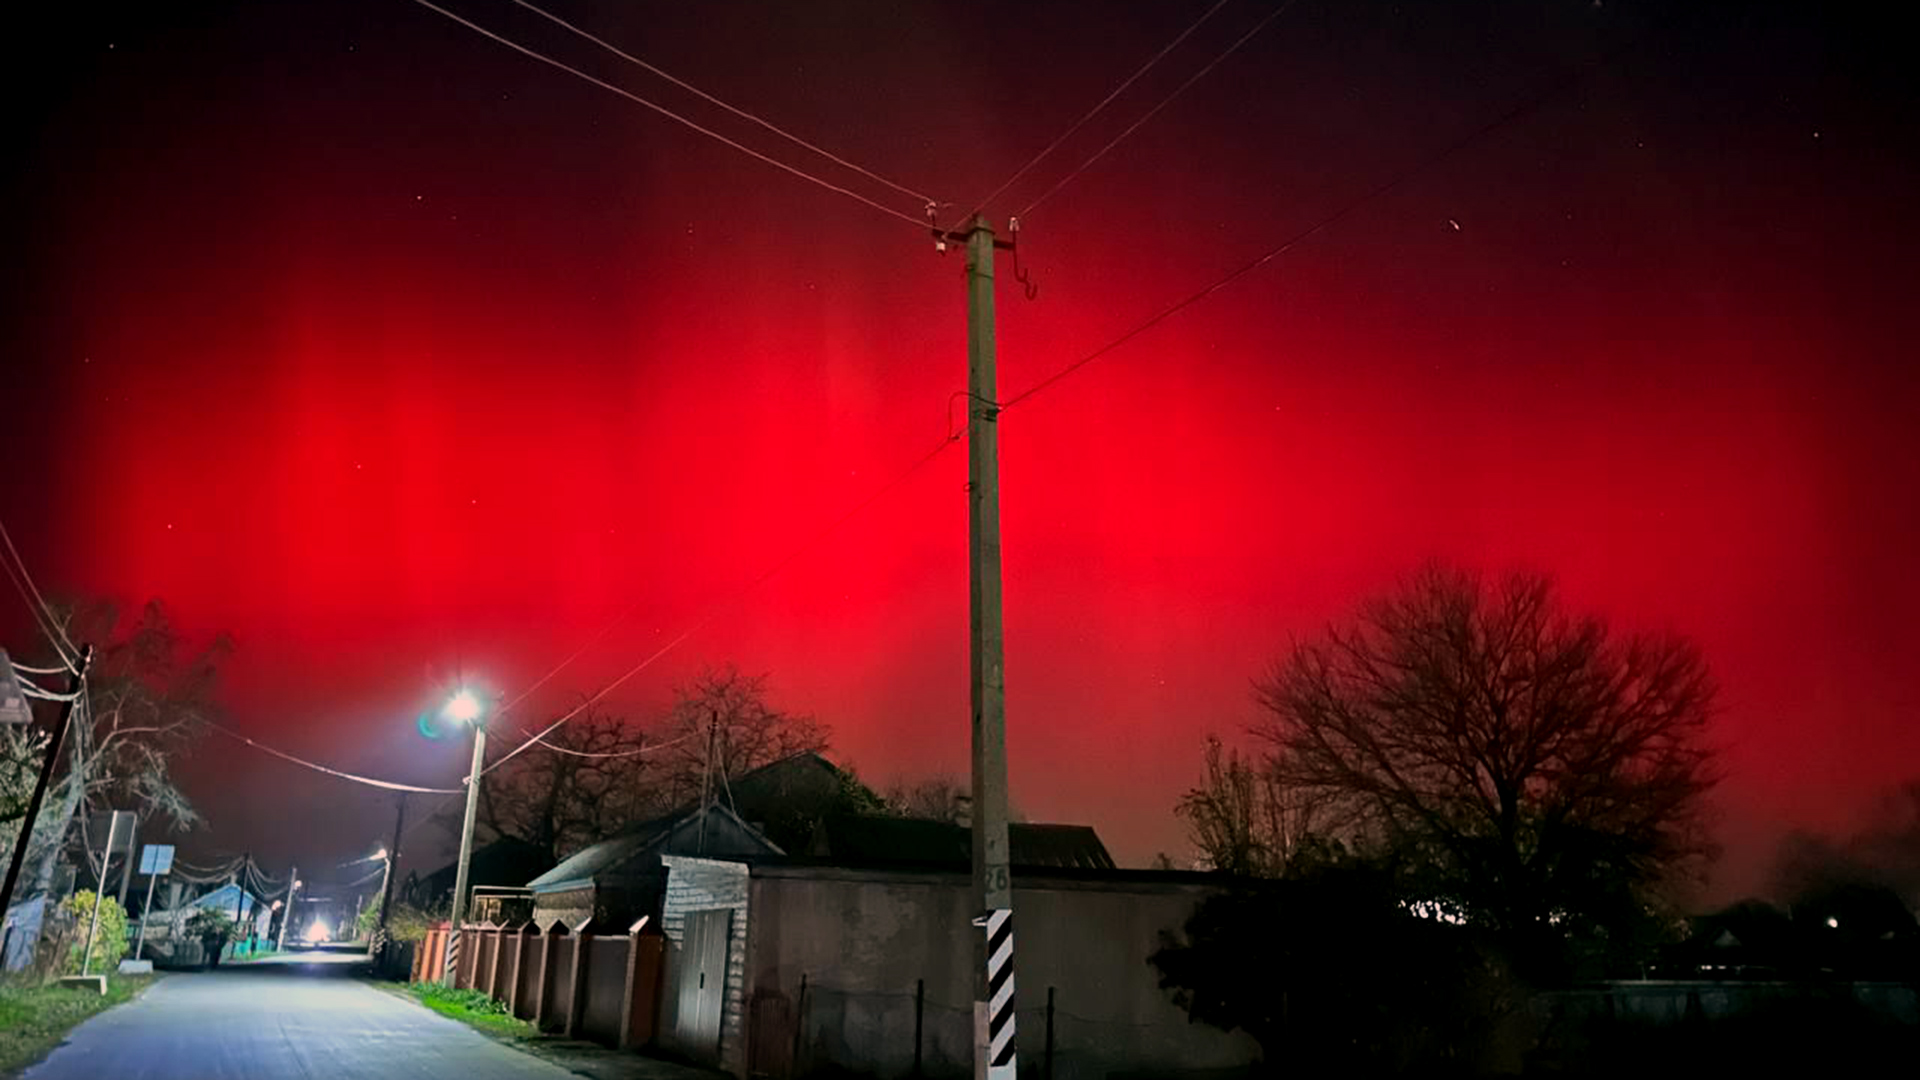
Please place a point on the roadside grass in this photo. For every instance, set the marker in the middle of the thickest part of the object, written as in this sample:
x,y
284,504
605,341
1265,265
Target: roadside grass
x,y
35,1019
470,1007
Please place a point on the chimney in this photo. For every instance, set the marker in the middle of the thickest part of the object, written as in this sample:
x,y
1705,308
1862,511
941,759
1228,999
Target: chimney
x,y
963,811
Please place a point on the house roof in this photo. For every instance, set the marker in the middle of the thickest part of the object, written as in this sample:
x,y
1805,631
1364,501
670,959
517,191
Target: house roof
x,y
506,861
590,863
922,841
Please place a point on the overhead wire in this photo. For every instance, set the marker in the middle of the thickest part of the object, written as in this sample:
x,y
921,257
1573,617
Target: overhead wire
x,y
716,609
25,670
1095,111
636,752
339,773
63,646
32,690
1525,105
917,223
735,110
1163,103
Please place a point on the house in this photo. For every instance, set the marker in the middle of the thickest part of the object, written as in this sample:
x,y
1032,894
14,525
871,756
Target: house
x,y
770,810
622,878
253,913
862,958
503,865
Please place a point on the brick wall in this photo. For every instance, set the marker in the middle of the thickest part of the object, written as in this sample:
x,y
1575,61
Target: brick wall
x,y
695,884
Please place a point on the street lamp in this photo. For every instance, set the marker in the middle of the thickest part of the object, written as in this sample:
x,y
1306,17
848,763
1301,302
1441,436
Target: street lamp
x,y
465,707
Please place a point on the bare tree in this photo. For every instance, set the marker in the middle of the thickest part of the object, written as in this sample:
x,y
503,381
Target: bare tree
x,y
724,713
147,698
601,777
1245,819
1529,769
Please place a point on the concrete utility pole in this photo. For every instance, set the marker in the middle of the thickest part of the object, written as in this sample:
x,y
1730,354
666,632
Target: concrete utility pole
x,y
466,852
992,877
75,682
293,886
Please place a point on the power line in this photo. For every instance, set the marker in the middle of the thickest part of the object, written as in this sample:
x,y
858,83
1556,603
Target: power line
x,y
25,670
647,749
1091,113
42,613
715,610
670,114
1164,102
315,766
33,690
742,113
1521,108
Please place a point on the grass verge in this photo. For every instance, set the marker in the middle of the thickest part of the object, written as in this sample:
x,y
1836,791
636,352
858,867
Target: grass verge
x,y
470,1007
35,1019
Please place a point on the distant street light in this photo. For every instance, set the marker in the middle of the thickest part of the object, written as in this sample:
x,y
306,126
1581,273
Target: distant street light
x,y
465,707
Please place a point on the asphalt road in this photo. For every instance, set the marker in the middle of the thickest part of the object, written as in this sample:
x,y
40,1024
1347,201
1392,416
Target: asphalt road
x,y
287,1019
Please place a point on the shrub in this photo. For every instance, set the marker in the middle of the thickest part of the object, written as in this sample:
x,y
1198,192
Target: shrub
x,y
109,943
470,1000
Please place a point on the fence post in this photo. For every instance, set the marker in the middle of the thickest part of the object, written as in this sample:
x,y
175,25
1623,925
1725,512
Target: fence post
x,y
493,970
513,969
543,982
799,1026
577,984
638,992
919,1012
1047,1067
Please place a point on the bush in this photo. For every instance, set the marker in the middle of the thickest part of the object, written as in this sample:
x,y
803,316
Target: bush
x,y
408,923
109,943
469,1000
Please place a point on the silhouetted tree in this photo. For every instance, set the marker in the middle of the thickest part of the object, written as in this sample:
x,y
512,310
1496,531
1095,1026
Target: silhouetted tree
x,y
148,695
936,798
580,785
1332,975
1885,853
1525,768
724,714
1244,819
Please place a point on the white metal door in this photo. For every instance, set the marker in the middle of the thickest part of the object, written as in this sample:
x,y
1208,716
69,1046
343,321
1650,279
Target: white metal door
x,y
703,986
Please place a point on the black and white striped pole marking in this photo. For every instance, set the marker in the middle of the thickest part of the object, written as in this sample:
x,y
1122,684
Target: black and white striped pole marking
x,y
451,970
998,1008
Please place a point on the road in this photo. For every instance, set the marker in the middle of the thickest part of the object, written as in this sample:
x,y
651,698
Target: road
x,y
303,1017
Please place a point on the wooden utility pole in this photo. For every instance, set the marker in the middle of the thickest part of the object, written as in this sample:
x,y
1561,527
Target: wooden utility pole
x,y
75,682
992,876
393,853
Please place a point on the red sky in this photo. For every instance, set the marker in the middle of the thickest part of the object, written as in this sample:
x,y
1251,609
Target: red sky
x,y
393,353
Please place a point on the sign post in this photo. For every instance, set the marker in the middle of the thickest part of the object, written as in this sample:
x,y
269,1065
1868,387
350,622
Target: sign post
x,y
155,859
93,927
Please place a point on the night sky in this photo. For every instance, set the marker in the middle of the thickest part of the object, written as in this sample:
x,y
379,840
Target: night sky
x,y
398,355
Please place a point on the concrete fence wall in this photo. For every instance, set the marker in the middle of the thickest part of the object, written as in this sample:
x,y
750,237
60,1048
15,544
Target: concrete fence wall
x,y
604,987
872,972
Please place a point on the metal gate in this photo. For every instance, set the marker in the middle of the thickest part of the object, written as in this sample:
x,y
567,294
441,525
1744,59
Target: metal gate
x,y
703,984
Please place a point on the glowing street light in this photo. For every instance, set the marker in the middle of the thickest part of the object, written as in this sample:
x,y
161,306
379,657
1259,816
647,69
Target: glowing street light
x,y
465,707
